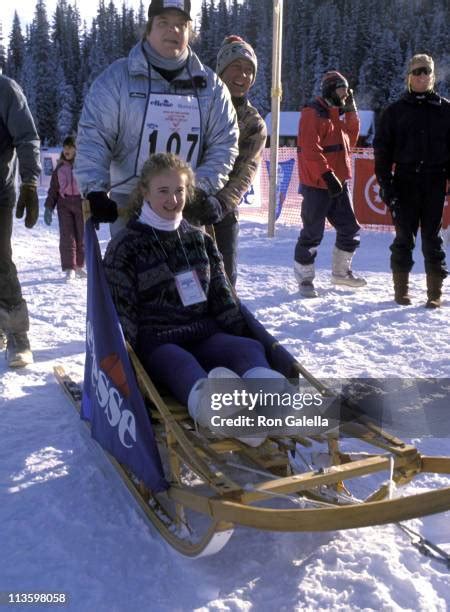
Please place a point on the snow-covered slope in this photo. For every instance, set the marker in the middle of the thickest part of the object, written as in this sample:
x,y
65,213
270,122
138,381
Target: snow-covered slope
x,y
67,523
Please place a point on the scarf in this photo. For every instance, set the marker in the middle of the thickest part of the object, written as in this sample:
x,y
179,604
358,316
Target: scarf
x,y
164,63
149,217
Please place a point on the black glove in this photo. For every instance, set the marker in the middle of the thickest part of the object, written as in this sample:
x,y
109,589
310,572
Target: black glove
x,y
202,209
103,209
389,196
213,211
48,214
28,201
334,185
349,104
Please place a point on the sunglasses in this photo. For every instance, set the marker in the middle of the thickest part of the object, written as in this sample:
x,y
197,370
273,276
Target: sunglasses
x,y
422,70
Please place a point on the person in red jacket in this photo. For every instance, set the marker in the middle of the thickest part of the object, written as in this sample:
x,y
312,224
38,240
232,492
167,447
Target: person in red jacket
x,y
328,128
64,194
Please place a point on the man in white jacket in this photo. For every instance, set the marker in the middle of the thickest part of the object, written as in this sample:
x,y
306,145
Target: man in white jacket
x,y
161,98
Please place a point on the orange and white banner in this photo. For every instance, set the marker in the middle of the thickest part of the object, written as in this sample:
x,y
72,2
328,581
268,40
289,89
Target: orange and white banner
x,y
369,207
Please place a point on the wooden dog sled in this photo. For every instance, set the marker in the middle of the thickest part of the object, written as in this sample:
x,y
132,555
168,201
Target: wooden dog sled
x,y
217,484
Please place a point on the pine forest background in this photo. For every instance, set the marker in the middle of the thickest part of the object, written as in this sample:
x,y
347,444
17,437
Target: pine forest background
x,y
56,58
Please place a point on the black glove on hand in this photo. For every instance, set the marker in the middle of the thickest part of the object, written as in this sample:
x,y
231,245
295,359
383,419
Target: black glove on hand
x,y
193,211
28,201
103,209
349,104
389,196
212,211
334,185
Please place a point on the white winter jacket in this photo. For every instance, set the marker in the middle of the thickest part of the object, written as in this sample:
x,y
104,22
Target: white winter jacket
x,y
110,125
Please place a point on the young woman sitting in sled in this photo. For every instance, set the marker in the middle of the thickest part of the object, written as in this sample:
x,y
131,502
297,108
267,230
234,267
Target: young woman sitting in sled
x,y
176,306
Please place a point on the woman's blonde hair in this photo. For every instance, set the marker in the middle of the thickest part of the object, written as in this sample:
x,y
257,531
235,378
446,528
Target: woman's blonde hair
x,y
157,164
420,59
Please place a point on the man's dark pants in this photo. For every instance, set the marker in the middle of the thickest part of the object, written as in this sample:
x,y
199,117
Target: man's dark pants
x,y
227,235
421,202
10,291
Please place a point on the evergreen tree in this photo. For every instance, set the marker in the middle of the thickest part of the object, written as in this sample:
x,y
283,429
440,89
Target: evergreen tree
x,y
43,61
2,51
261,92
223,27
65,105
28,80
16,50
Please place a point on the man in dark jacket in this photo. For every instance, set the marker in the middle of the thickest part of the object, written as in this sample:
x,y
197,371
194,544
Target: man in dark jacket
x,y
414,134
328,128
18,141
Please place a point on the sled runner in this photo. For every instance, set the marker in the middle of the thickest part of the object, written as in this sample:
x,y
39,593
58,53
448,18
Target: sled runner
x,y
202,486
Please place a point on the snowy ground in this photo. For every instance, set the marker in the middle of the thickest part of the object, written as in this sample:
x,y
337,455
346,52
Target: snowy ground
x,y
67,523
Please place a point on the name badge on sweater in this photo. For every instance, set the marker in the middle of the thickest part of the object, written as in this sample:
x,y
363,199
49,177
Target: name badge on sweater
x,y
189,288
172,125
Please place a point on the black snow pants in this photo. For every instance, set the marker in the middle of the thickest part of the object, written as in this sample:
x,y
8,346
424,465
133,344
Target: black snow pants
x,y
421,203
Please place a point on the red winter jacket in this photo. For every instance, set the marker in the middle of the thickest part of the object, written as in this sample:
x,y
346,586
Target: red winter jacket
x,y
324,141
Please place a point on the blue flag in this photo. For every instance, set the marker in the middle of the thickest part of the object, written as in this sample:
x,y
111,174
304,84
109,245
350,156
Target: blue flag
x,y
111,399
283,179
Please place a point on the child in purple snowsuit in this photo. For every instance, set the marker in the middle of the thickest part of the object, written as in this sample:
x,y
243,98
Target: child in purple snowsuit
x,y
64,194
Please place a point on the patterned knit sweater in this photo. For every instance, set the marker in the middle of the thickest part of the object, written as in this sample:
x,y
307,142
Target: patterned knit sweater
x,y
140,266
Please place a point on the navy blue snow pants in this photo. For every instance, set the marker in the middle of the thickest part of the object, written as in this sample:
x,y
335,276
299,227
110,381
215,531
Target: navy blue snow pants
x,y
178,368
317,206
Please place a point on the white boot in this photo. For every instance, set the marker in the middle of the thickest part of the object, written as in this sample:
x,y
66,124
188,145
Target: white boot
x,y
70,275
199,406
304,275
341,270
199,400
262,372
80,272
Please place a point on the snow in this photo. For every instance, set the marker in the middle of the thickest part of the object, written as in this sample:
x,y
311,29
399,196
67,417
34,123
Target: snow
x,y
68,524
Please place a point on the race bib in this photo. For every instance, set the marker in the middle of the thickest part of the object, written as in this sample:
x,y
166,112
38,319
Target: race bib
x,y
189,288
172,125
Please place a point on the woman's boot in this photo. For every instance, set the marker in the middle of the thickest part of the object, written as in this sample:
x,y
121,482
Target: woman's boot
x,y
401,288
434,290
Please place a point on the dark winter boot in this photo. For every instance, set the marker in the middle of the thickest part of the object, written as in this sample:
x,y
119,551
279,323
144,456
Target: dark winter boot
x,y
18,352
401,288
434,290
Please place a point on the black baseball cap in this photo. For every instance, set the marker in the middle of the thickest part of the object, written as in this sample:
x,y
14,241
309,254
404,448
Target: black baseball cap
x,y
158,6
